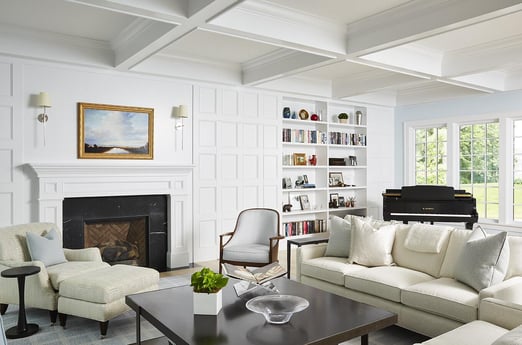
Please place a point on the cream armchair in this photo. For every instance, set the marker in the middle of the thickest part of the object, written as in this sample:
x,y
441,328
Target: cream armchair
x,y
254,241
41,290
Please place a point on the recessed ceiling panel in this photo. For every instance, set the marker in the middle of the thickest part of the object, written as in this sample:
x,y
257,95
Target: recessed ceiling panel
x,y
211,46
335,70
62,17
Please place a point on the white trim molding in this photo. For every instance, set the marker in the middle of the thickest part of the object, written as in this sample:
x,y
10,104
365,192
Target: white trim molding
x,y
57,181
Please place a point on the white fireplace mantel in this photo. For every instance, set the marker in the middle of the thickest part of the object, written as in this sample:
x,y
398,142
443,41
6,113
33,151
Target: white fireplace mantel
x,y
57,181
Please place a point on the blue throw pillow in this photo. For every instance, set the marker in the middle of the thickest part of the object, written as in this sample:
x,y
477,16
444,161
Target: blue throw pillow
x,y
47,249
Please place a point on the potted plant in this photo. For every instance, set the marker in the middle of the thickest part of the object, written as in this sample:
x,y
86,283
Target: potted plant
x,y
207,287
343,117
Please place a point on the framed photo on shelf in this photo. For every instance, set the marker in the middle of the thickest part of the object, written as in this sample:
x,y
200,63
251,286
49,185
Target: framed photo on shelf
x,y
305,178
305,203
341,201
336,179
352,160
334,200
287,183
115,132
299,158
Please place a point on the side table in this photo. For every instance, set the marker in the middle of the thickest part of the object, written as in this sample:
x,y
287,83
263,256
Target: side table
x,y
23,329
319,237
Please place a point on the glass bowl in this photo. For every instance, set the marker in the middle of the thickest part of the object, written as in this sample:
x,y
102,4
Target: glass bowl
x,y
277,309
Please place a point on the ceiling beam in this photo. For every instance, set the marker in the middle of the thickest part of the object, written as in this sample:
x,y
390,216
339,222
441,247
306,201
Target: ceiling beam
x,y
421,19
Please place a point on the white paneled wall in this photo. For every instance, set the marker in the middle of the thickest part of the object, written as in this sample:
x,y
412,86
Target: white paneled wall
x,y
11,139
237,160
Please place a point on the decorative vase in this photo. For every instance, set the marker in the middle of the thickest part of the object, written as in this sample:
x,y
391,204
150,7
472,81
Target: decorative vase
x,y
358,118
313,160
286,112
208,303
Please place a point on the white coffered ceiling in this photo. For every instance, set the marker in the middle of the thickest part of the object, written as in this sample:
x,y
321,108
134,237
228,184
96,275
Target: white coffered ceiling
x,y
391,52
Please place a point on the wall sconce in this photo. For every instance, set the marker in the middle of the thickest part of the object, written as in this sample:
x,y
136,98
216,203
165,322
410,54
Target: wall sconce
x,y
180,113
43,101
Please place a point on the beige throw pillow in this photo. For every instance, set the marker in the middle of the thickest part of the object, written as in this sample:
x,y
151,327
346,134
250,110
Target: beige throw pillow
x,y
370,245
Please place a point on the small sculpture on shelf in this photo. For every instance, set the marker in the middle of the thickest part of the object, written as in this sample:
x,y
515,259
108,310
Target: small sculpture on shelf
x,y
343,117
313,160
351,200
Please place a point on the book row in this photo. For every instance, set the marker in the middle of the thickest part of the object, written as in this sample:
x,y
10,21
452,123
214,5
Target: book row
x,y
304,227
340,138
304,136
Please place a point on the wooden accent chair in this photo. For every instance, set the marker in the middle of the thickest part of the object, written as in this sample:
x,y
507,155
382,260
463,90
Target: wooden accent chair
x,y
254,241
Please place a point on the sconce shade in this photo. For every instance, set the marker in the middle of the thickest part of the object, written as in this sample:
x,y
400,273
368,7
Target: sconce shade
x,y
44,100
182,111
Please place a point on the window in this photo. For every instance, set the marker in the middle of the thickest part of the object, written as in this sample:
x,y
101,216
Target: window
x,y
517,170
478,166
431,155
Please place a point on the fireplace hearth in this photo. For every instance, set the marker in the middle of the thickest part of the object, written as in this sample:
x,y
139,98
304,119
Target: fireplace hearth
x,y
127,229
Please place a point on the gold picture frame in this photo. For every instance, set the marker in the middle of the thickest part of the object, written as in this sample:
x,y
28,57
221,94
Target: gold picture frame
x,y
299,158
115,131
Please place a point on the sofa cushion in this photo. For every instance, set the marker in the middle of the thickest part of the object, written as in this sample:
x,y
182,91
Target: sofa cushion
x,y
370,245
515,257
59,273
458,239
340,236
445,297
474,333
429,263
385,281
47,249
330,269
427,238
513,337
484,259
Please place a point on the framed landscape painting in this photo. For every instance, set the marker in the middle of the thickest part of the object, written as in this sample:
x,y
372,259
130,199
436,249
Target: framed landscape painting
x,y
115,132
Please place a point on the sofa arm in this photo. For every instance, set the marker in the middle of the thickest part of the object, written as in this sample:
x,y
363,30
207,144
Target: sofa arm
x,y
86,254
507,290
500,312
307,252
39,292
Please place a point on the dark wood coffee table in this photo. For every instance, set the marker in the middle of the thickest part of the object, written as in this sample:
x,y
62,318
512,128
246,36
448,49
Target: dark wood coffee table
x,y
330,319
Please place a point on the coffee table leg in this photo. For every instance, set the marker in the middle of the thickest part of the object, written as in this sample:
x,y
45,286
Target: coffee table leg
x,y
138,327
364,339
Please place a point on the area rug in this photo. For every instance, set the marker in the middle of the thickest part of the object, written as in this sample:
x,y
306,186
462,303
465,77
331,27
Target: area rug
x,y
122,329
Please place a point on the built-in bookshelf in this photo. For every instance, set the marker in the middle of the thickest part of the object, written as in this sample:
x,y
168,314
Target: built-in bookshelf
x,y
323,164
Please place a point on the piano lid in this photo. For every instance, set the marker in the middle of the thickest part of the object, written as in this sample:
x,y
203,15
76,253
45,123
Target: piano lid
x,y
427,192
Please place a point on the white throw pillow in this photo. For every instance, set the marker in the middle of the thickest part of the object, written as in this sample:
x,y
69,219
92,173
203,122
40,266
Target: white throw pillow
x,y
47,249
371,246
340,236
483,260
426,238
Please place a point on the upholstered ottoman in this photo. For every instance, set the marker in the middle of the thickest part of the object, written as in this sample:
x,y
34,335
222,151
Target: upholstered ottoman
x,y
100,295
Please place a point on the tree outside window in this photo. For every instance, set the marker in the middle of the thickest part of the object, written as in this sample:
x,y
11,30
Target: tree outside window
x,y
431,155
478,168
517,170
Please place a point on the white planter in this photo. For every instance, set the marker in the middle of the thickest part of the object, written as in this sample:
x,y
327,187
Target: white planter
x,y
343,120
207,303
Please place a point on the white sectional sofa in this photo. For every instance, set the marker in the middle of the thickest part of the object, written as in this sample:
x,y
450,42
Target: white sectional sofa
x,y
423,273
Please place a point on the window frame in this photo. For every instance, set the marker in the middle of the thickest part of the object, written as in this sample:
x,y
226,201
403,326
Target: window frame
x,y
506,218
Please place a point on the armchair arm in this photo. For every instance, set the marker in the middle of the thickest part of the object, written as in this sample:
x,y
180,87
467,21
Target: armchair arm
x,y
308,252
222,236
86,254
275,240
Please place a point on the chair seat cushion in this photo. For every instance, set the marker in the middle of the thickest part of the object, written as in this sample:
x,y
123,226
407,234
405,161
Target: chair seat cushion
x,y
247,253
385,281
445,297
59,273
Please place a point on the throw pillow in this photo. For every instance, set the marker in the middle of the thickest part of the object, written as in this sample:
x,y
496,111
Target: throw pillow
x,y
513,337
371,246
483,260
47,249
340,236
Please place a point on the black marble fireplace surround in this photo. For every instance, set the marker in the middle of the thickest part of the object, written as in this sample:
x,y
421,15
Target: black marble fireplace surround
x,y
80,211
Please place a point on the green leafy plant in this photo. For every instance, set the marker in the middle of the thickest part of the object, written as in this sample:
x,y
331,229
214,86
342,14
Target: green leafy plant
x,y
342,116
207,281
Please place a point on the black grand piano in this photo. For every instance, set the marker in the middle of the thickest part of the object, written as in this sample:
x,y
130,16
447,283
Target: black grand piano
x,y
429,203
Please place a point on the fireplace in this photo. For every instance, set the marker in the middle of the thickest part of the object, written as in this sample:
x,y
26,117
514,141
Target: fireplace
x,y
127,229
